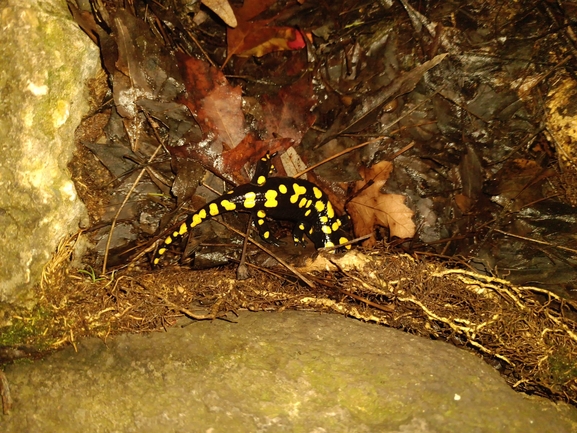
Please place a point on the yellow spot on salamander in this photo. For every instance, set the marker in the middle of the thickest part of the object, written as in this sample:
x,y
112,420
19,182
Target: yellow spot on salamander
x,y
309,202
324,219
344,240
307,213
261,214
266,235
326,230
301,226
249,200
329,244
317,192
228,205
202,213
302,202
283,189
174,234
335,226
161,251
261,180
330,210
270,197
213,209
168,240
260,222
320,206
299,190
183,229
196,220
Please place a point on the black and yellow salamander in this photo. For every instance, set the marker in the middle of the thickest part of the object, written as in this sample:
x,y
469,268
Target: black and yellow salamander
x,y
279,198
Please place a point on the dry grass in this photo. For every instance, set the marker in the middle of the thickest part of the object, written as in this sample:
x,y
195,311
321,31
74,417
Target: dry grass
x,y
529,334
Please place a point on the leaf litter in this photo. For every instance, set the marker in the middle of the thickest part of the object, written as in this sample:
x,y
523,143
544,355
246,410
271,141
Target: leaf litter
x,y
447,158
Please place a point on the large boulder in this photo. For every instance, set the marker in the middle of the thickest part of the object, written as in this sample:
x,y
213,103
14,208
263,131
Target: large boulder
x,y
45,60
273,372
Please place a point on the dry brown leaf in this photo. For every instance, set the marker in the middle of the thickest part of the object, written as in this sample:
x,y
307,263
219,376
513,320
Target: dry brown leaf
x,y
223,10
371,208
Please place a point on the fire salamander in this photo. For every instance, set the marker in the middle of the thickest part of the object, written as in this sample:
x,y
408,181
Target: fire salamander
x,y
280,198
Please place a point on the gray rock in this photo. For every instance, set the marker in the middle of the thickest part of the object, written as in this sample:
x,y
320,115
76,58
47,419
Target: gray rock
x,y
45,60
272,372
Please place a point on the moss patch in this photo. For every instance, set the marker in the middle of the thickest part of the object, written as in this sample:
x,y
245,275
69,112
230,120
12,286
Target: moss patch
x,y
29,328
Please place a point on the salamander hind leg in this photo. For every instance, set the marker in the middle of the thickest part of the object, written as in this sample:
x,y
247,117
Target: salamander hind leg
x,y
263,228
299,231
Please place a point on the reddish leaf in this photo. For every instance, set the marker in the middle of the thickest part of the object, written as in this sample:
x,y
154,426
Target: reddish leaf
x,y
215,104
273,39
288,113
371,208
464,203
257,38
250,150
519,182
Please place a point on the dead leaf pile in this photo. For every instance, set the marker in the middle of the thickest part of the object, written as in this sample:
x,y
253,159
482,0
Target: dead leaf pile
x,y
347,90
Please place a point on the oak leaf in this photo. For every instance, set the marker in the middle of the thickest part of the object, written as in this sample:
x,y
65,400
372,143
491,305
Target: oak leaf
x,y
371,208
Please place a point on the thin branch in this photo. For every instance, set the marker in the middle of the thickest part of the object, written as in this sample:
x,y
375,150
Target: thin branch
x,y
128,194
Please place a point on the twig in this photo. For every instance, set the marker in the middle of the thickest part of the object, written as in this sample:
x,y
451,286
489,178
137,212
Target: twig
x,y
242,270
128,194
5,393
374,290
269,252
385,128
536,241
186,311
350,149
